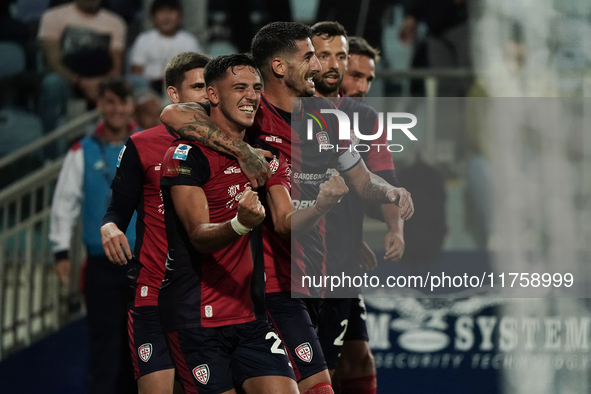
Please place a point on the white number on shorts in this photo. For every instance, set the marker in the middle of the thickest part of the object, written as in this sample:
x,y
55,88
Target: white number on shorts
x,y
275,348
339,340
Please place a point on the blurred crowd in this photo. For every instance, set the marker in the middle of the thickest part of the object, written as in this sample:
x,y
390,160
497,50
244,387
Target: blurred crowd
x,y
56,52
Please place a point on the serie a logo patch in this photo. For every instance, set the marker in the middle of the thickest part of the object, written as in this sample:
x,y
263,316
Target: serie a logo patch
x,y
145,352
304,352
201,373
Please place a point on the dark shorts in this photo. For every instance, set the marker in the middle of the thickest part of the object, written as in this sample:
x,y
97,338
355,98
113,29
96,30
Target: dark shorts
x,y
206,359
290,317
340,319
149,351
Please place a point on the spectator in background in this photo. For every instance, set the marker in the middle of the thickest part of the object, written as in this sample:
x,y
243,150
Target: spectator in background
x,y
147,109
448,44
360,68
82,44
83,190
153,49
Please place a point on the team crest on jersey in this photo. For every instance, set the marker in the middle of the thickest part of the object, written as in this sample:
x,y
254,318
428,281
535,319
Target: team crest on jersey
x,y
145,352
274,164
304,352
322,137
201,373
181,152
121,152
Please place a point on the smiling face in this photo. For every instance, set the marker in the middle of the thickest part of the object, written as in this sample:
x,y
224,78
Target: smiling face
x,y
301,69
237,95
332,54
117,112
359,76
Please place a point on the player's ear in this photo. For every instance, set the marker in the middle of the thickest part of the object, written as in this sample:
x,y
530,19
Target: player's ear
x,y
173,94
279,66
212,95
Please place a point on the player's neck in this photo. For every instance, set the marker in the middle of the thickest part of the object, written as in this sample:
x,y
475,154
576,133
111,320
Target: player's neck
x,y
330,94
279,95
227,126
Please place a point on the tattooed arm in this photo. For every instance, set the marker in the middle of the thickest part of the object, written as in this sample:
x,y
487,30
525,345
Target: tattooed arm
x,y
374,189
191,122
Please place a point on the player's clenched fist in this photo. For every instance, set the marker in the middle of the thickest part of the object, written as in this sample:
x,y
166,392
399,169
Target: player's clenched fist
x,y
251,212
331,193
401,197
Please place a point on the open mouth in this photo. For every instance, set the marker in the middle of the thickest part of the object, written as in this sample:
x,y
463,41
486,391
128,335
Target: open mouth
x,y
309,80
249,109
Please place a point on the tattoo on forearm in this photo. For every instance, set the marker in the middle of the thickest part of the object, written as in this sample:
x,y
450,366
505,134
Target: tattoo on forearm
x,y
375,190
202,129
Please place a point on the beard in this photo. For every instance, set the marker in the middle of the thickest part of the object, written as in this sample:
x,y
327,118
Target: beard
x,y
299,85
326,88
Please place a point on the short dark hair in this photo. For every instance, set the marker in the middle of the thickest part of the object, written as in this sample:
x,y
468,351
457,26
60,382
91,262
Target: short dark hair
x,y
359,46
174,75
118,85
216,69
328,30
157,5
277,38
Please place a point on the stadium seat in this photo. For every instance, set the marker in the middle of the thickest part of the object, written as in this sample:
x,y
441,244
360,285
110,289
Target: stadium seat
x,y
13,59
17,128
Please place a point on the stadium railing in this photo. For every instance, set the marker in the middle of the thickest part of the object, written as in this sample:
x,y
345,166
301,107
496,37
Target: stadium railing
x,y
32,302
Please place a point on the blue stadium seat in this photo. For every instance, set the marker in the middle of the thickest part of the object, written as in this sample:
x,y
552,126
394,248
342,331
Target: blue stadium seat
x,y
13,59
18,128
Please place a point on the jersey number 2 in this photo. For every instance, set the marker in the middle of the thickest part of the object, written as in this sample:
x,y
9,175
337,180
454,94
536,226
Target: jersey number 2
x,y
275,347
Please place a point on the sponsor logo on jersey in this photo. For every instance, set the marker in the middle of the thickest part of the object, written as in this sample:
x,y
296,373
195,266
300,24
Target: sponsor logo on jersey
x,y
274,164
144,291
145,352
208,311
232,170
181,152
121,152
302,204
304,352
272,138
201,373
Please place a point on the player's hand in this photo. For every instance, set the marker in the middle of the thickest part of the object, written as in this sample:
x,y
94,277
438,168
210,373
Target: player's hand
x,y
63,269
331,193
369,262
401,197
115,244
394,245
251,212
254,165
408,30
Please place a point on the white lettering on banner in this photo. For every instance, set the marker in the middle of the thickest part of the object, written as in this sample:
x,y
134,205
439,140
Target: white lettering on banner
x,y
425,339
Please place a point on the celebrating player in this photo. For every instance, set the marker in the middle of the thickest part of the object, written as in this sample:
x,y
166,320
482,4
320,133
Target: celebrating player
x,y
212,299
342,328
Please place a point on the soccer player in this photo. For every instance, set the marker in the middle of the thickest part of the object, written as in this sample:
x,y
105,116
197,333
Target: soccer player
x,y
286,59
136,186
342,328
360,67
212,299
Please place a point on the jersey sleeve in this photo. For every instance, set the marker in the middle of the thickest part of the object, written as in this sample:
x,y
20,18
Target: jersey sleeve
x,y
130,176
67,201
378,158
184,164
281,173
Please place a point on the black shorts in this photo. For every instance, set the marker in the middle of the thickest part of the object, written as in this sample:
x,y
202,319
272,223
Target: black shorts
x,y
149,351
290,317
206,359
341,319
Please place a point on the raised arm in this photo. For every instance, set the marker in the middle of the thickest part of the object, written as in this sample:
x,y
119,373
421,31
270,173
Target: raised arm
x,y
373,188
190,204
292,222
191,122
